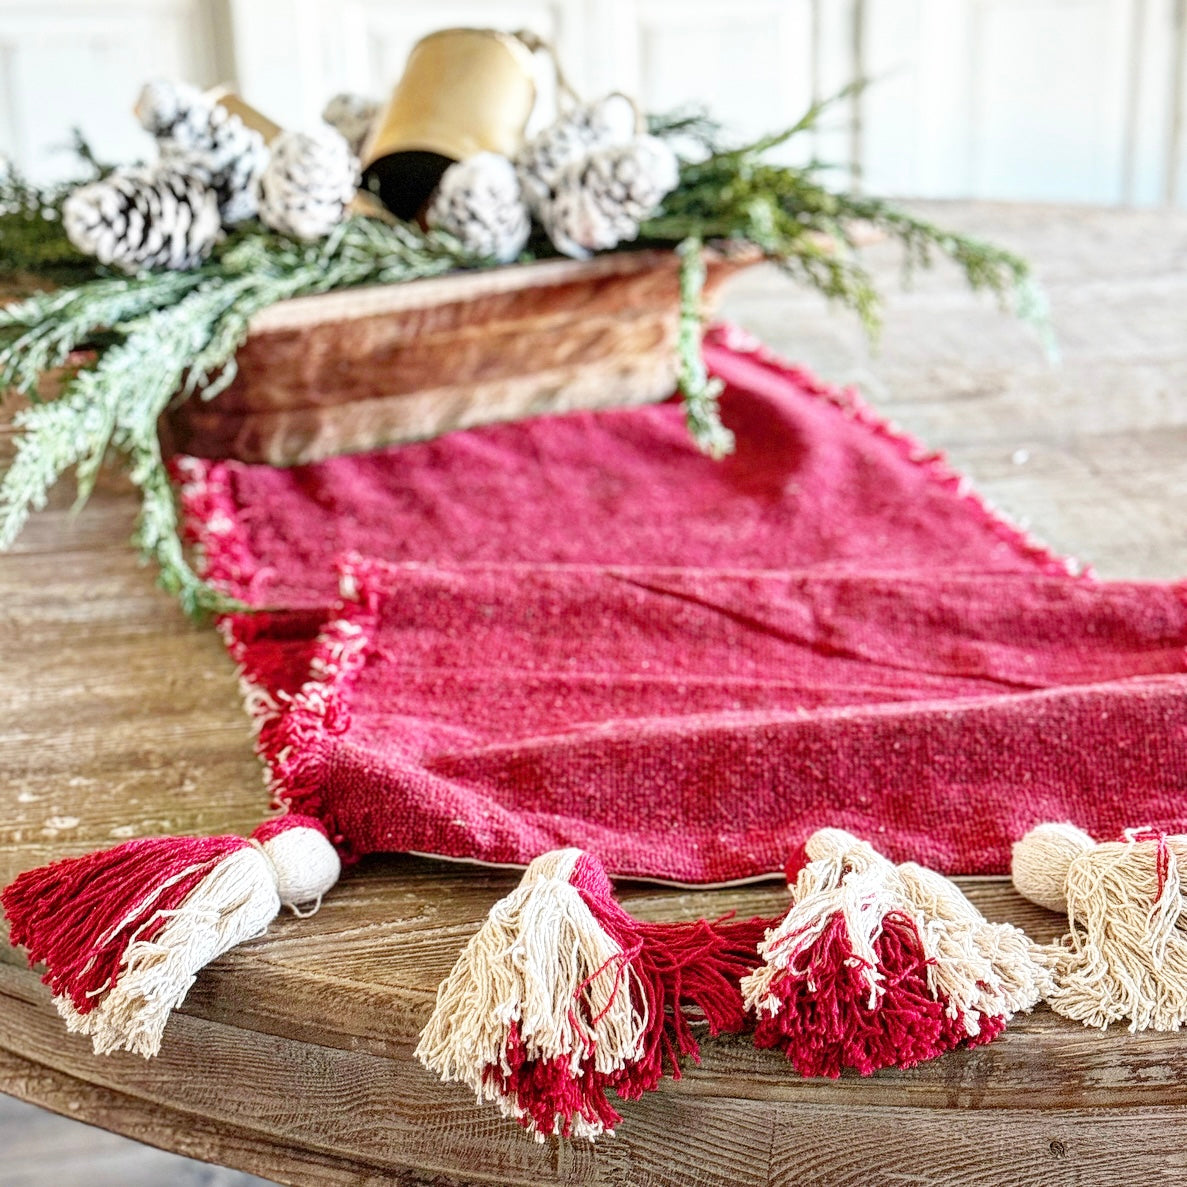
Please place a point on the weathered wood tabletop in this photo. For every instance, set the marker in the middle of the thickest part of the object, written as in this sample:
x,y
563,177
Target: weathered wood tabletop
x,y
292,1056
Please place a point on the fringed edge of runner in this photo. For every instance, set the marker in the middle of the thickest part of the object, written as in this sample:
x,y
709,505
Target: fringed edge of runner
x,y
210,524
294,732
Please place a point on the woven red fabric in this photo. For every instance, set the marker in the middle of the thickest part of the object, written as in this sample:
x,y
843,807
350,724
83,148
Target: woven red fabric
x,y
579,631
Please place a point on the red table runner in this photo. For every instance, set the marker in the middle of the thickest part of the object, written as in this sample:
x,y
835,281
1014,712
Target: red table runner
x,y
577,630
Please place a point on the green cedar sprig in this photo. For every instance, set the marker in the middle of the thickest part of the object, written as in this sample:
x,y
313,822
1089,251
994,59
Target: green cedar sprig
x,y
170,332
699,390
33,244
808,229
736,194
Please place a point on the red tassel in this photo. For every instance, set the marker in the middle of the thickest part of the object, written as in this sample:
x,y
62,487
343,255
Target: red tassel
x,y
78,915
562,996
877,965
123,932
826,1022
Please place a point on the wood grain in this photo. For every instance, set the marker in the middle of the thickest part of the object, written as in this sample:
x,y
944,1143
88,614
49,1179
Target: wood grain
x,y
362,368
292,1055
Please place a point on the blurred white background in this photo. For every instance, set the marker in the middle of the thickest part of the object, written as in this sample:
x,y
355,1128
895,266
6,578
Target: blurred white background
x,y
1060,100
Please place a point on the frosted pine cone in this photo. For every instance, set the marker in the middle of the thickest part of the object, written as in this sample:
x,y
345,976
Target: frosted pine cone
x,y
308,184
198,137
352,117
162,105
140,219
599,202
602,123
480,203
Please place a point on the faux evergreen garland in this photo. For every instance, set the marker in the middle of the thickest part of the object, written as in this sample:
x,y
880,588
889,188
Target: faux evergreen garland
x,y
162,333
131,344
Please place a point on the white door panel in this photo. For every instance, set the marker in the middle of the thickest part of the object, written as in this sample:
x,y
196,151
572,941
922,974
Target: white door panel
x,y
750,63
81,64
1076,54
1011,99
1079,100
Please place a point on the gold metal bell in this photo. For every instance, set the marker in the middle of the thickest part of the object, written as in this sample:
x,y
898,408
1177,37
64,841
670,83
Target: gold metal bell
x,y
463,91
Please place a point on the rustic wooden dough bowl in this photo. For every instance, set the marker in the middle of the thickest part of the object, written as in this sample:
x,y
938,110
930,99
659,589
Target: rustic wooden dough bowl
x,y
361,368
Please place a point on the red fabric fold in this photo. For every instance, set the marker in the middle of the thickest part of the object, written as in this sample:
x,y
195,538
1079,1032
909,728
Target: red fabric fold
x,y
578,631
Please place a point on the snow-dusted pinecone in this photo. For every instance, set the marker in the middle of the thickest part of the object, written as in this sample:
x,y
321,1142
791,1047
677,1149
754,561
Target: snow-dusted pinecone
x,y
309,183
140,219
162,105
599,202
352,117
601,123
198,137
480,203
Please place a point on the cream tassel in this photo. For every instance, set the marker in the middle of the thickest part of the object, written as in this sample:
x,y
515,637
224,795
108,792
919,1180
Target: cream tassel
x,y
235,902
540,968
843,877
1125,953
124,932
982,968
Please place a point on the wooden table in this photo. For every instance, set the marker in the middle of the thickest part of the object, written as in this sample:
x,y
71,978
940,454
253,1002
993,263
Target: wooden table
x,y
292,1056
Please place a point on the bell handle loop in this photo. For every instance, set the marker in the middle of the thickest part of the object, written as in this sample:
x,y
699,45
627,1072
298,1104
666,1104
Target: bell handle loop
x,y
566,95
640,116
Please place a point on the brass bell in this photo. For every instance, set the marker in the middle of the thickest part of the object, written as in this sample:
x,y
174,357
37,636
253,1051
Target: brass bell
x,y
463,91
